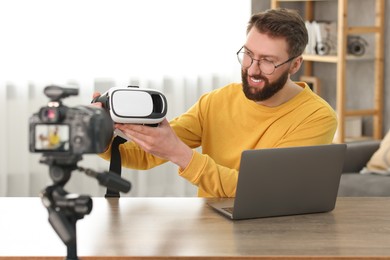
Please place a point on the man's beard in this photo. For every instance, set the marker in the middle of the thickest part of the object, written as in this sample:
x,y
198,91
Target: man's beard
x,y
268,90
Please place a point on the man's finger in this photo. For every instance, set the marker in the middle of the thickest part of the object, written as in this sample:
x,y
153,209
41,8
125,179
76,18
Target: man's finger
x,y
95,94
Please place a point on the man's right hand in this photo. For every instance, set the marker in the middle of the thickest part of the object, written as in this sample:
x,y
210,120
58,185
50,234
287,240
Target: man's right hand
x,y
96,104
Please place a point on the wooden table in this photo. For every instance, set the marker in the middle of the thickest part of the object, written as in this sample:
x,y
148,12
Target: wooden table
x,y
172,228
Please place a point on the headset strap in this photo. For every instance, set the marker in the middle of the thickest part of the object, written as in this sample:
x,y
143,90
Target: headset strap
x,y
115,164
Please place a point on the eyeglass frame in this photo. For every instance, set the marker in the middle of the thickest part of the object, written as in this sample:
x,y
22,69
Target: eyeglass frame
x,y
260,60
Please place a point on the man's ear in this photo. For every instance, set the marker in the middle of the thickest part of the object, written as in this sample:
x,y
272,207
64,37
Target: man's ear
x,y
296,65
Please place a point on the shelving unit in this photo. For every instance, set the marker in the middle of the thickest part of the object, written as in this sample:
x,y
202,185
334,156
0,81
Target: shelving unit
x,y
343,30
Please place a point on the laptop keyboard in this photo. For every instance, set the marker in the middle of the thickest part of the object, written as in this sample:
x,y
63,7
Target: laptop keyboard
x,y
229,209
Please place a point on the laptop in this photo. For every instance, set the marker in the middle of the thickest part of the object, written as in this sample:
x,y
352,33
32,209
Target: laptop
x,y
285,181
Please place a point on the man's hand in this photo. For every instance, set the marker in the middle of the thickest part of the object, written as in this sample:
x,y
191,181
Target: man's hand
x,y
160,141
96,104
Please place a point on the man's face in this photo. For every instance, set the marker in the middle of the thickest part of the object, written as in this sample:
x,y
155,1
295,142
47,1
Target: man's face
x,y
256,85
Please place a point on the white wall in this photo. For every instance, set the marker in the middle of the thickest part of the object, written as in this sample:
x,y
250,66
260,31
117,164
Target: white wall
x,y
181,47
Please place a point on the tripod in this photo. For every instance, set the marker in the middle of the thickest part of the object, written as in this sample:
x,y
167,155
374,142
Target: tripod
x,y
64,208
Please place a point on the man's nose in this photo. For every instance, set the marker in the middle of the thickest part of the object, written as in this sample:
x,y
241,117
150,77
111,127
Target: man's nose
x,y
254,68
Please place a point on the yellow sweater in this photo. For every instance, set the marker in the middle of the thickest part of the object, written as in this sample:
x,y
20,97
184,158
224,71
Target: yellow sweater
x,y
224,123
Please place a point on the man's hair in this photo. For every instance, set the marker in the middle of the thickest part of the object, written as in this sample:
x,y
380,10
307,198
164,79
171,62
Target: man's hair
x,y
282,23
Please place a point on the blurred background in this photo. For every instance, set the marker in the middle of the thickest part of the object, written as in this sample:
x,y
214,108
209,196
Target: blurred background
x,y
182,48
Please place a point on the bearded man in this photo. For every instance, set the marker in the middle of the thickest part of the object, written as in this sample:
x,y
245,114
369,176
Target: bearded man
x,y
268,110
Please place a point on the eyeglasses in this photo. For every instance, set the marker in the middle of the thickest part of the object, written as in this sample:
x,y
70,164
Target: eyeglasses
x,y
267,67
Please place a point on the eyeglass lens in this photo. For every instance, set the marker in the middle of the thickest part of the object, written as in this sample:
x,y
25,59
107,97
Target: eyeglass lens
x,y
266,67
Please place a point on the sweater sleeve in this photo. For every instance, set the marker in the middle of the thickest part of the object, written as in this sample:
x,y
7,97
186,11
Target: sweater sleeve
x,y
187,127
211,179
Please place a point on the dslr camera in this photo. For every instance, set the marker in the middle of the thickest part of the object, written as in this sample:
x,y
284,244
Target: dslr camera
x,y
60,130
63,134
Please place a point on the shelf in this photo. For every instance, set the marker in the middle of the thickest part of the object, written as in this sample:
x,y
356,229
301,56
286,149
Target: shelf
x,y
360,58
324,58
309,0
305,0
365,112
334,58
363,29
358,139
342,57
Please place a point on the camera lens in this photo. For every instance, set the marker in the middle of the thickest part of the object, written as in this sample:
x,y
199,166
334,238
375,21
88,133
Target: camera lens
x,y
357,49
322,48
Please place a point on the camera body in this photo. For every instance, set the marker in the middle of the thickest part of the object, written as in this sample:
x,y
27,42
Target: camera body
x,y
133,105
60,130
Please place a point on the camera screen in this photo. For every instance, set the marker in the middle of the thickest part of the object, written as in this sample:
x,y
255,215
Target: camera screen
x,y
52,137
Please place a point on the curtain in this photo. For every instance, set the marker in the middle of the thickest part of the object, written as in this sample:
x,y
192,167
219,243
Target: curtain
x,y
182,48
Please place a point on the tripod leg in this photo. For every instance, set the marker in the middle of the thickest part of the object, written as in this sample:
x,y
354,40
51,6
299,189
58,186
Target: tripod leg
x,y
72,252
72,245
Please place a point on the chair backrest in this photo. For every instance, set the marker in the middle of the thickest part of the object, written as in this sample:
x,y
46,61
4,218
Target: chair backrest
x,y
358,154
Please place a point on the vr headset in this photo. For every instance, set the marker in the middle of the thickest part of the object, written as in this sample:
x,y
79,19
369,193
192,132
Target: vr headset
x,y
134,105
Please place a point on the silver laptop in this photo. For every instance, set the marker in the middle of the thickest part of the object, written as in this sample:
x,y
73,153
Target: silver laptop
x,y
285,181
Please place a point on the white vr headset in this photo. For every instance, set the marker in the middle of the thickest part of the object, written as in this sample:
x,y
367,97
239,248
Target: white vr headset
x,y
134,105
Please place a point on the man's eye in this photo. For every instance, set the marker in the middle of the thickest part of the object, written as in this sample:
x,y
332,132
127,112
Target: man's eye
x,y
267,61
